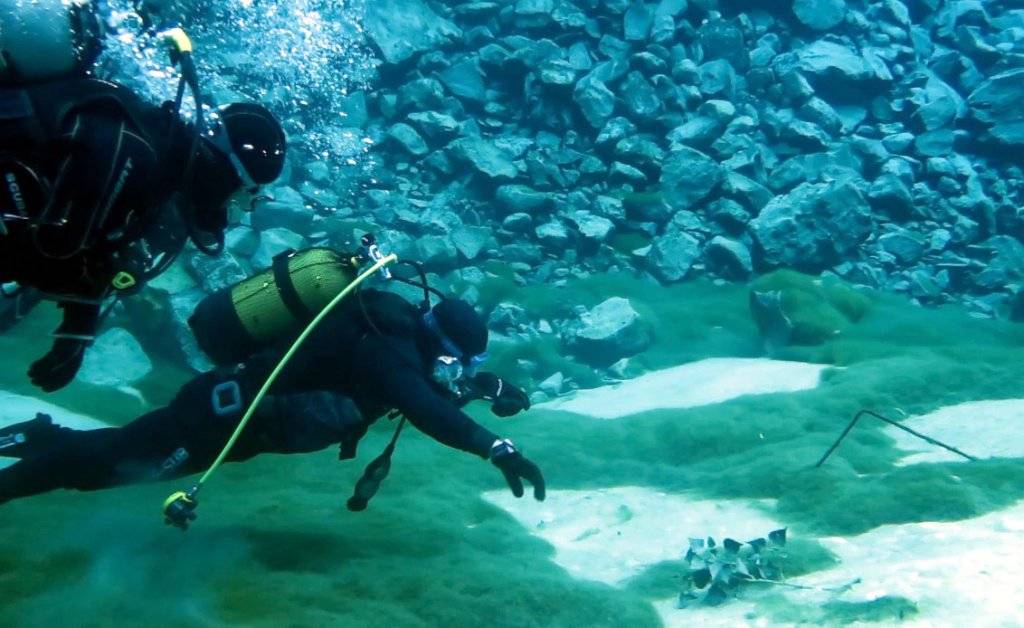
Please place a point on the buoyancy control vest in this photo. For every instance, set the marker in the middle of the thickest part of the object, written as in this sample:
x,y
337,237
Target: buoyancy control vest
x,y
58,197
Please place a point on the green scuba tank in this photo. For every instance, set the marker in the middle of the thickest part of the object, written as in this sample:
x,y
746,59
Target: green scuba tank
x,y
236,322
42,40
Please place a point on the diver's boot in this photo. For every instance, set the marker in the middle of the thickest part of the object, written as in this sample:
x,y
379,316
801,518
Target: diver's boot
x,y
31,437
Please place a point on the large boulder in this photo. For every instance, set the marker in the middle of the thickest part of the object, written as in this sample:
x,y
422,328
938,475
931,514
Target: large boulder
x,y
284,207
402,28
608,332
820,15
595,100
115,359
813,226
997,103
830,66
274,242
484,157
939,105
688,176
672,255
465,80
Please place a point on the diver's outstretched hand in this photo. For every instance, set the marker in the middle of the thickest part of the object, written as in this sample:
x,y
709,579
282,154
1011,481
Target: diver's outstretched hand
x,y
56,369
516,468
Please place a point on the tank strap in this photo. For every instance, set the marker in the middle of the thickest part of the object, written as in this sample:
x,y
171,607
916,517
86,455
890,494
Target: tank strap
x,y
286,288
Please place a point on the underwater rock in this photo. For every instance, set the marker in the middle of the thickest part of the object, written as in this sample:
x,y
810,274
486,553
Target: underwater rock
x,y
285,208
730,258
183,304
723,39
813,226
835,66
939,105
241,241
905,245
274,242
595,100
552,386
1006,265
518,222
517,198
891,197
508,317
637,21
820,15
718,78
592,227
609,331
421,95
640,152
730,214
436,252
639,96
435,125
402,28
469,241
115,359
215,273
484,157
465,80
997,103
687,177
407,137
553,234
672,255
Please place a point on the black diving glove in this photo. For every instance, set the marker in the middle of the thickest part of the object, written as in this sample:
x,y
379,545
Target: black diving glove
x,y
515,468
507,399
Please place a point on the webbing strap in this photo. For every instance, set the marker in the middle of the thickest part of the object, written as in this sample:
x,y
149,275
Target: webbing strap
x,y
286,288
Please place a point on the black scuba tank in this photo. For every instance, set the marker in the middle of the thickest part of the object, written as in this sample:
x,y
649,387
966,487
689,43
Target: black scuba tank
x,y
236,322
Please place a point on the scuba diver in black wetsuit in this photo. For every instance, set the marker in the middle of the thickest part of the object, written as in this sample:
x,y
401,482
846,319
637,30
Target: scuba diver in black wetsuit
x,y
99,191
375,354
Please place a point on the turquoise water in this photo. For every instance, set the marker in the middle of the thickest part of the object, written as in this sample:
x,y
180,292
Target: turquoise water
x,y
549,156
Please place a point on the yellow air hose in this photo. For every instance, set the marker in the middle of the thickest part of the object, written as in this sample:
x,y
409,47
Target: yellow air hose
x,y
179,506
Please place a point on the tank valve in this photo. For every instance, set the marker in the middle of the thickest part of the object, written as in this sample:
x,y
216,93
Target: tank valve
x,y
372,252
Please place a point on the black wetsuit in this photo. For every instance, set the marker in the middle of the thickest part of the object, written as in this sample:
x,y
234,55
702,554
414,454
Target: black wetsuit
x,y
95,192
108,164
367,358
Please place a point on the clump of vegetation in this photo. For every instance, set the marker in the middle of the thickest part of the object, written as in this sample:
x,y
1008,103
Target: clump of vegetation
x,y
717,572
793,308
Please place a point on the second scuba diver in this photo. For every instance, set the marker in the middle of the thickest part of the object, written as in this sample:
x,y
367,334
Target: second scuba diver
x,y
100,190
376,353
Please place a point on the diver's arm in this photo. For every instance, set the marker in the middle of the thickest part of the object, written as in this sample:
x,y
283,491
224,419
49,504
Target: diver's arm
x,y
408,392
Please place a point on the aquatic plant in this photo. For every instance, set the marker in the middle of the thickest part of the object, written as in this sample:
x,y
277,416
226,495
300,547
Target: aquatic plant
x,y
716,571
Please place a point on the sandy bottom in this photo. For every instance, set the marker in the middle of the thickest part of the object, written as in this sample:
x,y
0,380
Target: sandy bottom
x,y
958,573
696,384
983,429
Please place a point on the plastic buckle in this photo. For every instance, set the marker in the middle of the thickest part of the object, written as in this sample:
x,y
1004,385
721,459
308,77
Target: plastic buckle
x,y
123,280
226,398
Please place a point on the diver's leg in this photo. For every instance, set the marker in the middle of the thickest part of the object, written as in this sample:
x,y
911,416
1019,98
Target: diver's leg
x,y
170,442
94,459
